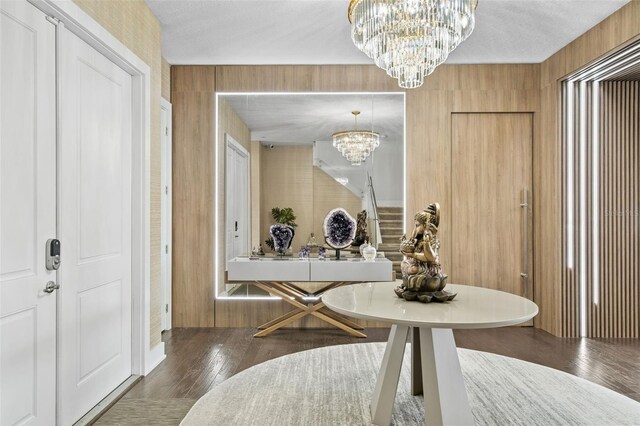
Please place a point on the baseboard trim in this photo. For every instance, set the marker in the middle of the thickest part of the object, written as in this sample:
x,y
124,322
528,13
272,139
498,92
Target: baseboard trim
x,y
156,356
96,412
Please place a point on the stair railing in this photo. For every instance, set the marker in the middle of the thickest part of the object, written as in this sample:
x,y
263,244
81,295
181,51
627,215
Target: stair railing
x,y
374,207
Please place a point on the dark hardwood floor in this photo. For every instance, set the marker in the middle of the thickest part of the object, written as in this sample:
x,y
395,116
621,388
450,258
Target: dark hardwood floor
x,y
198,359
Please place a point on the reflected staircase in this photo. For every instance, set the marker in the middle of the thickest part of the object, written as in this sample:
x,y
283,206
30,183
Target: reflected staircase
x,y
391,231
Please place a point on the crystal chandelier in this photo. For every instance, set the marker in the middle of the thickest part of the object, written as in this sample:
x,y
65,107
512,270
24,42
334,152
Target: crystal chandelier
x,y
356,145
410,38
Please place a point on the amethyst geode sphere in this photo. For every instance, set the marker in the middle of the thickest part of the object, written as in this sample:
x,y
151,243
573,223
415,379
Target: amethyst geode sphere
x,y
339,229
282,236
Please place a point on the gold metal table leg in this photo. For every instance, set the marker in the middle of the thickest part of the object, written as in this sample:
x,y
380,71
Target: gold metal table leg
x,y
277,320
295,298
284,322
342,319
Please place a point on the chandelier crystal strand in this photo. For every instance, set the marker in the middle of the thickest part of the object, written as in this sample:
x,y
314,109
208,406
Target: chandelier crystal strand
x,y
410,38
356,145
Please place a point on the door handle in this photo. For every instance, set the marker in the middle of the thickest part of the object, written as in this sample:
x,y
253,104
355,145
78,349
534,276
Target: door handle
x,y
524,205
50,287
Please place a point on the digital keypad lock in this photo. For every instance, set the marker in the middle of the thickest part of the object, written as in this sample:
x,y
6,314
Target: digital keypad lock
x,y
53,254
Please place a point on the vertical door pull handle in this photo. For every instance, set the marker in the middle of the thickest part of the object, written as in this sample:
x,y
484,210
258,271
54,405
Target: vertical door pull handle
x,y
524,274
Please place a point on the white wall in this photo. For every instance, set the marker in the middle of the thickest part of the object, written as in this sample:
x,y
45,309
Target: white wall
x,y
385,167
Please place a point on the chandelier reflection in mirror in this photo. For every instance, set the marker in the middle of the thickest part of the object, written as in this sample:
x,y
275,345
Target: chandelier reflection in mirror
x,y
356,145
410,38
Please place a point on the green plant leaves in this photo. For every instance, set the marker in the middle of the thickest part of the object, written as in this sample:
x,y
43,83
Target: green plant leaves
x,y
284,216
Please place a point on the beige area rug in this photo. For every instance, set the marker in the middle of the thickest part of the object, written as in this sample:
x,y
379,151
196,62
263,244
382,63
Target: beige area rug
x,y
333,385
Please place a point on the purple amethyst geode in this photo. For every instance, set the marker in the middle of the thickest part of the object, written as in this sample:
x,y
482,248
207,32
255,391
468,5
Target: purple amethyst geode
x,y
339,229
282,236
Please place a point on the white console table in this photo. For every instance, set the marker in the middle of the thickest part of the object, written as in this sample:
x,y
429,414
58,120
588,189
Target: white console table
x,y
278,277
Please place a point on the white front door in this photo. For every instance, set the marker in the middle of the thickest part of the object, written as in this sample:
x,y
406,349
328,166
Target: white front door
x,y
27,216
94,314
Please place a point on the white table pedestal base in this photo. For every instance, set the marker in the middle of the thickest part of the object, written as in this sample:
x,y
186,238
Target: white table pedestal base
x,y
435,368
384,394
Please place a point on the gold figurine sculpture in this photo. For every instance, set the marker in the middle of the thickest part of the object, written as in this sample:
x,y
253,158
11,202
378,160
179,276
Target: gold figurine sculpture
x,y
422,276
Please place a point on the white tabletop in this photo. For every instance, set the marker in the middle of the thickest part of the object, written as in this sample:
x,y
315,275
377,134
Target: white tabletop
x,y
312,269
473,307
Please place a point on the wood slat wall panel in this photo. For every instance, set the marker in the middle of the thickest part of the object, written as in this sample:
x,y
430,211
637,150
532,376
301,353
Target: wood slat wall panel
x,y
613,312
554,286
616,314
568,292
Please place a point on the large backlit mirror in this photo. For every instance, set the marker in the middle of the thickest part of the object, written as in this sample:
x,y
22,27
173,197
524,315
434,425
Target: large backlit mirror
x,y
276,150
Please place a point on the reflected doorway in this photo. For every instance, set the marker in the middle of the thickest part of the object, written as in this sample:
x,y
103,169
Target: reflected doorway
x,y
237,184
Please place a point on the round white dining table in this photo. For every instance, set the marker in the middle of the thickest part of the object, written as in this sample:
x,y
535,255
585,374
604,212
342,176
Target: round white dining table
x,y
435,366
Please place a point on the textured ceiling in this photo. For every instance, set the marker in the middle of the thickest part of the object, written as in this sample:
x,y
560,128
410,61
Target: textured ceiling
x,y
303,119
317,32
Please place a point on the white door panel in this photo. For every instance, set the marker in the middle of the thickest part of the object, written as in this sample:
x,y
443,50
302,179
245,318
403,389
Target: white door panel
x,y
95,228
237,199
230,207
242,207
98,161
27,216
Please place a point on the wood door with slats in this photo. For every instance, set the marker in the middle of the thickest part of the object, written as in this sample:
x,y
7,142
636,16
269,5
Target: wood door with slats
x,y
491,184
